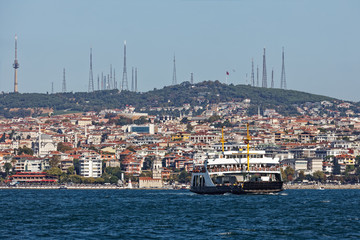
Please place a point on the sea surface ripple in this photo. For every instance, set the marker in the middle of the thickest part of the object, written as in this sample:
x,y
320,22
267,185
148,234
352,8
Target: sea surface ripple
x,y
171,214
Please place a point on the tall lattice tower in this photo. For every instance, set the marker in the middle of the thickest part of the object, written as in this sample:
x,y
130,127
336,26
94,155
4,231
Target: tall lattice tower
x,y
98,82
109,82
264,76
252,73
272,78
283,77
174,82
132,80
115,83
124,84
192,78
91,77
15,66
64,82
111,76
136,89
102,81
257,76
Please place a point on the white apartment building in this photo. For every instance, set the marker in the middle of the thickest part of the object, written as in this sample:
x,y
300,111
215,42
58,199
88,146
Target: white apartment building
x,y
90,166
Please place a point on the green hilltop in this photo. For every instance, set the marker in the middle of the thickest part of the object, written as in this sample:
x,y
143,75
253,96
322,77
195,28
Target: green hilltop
x,y
200,94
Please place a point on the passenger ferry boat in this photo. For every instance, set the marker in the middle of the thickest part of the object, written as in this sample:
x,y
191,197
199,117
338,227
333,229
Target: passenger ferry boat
x,y
237,172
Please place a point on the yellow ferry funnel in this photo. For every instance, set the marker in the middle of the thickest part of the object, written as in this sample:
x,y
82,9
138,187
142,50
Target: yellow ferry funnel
x,y
222,140
247,141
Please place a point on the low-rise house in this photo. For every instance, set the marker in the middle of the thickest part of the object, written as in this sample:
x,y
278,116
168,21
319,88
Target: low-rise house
x,y
66,163
346,159
28,163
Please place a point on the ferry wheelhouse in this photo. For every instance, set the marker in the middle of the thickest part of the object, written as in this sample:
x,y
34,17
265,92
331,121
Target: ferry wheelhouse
x,y
237,172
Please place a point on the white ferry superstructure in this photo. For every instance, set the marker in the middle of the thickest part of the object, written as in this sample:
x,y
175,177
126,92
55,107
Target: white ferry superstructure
x,y
229,172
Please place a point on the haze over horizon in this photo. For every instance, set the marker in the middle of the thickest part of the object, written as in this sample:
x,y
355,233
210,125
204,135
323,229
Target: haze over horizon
x,y
209,37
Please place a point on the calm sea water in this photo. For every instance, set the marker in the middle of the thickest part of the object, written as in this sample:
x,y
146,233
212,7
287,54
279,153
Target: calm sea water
x,y
161,214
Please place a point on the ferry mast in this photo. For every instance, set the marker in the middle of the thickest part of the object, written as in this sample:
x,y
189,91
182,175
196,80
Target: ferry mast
x,y
247,141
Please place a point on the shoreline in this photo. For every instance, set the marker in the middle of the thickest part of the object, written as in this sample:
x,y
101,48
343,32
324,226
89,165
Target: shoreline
x,y
79,188
324,186
286,187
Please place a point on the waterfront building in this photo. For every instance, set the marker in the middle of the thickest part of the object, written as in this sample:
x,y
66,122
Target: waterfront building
x,y
314,165
90,165
32,177
156,180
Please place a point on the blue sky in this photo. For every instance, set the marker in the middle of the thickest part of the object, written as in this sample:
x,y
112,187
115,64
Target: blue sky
x,y
209,37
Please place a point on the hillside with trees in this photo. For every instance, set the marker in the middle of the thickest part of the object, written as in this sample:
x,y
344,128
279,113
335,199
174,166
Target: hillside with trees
x,y
201,94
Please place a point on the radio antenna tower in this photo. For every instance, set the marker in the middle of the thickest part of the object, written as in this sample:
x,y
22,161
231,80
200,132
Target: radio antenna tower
x,y
174,82
64,82
283,77
109,82
91,78
115,83
136,89
102,81
192,78
132,79
264,76
15,66
257,76
111,73
252,73
124,85
98,82
272,78
52,87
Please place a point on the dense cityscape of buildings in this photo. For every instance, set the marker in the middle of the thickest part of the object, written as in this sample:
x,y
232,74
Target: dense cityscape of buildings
x,y
118,145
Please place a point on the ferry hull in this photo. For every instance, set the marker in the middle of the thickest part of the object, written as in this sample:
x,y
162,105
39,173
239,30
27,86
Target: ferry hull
x,y
246,188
